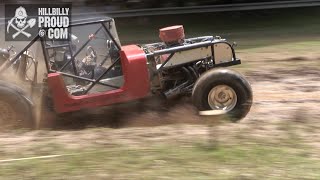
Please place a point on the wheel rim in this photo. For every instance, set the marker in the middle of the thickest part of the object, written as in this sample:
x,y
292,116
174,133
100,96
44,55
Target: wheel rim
x,y
7,114
222,97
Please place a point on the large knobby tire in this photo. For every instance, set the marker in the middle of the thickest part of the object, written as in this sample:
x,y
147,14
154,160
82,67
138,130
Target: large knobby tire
x,y
224,90
15,111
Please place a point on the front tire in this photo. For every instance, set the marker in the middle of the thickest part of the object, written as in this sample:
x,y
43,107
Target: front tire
x,y
223,90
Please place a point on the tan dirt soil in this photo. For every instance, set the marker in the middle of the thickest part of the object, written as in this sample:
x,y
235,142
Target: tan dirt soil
x,y
281,95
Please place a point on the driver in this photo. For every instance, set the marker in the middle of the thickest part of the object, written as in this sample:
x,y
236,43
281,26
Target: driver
x,y
61,55
87,65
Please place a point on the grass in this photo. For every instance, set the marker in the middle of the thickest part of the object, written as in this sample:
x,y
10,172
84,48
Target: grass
x,y
245,157
296,47
195,161
249,28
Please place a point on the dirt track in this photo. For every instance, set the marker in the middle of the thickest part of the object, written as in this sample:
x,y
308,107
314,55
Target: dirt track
x,y
282,93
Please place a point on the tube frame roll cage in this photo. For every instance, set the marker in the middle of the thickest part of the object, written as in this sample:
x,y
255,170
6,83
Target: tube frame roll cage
x,y
205,41
72,59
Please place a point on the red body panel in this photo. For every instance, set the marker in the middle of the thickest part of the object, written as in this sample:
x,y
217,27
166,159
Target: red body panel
x,y
136,85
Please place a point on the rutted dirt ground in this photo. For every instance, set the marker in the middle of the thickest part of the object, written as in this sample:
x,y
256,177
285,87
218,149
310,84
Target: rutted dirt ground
x,y
286,89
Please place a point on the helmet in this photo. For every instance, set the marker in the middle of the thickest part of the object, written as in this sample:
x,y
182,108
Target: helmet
x,y
21,12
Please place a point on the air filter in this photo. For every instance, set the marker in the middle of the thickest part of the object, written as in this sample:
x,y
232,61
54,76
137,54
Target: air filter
x,y
172,35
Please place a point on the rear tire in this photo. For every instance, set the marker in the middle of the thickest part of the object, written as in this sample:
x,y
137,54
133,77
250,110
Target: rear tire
x,y
15,111
224,90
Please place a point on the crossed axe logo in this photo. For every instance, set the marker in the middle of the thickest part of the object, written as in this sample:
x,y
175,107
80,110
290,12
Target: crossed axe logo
x,y
19,23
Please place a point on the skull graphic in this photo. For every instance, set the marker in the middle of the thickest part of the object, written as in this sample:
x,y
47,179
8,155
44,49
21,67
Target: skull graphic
x,y
21,17
20,23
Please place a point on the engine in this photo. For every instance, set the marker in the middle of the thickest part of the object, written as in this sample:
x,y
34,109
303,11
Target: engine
x,y
179,76
177,62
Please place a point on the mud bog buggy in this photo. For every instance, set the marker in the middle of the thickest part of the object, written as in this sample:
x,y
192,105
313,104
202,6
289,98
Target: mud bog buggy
x,y
92,69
